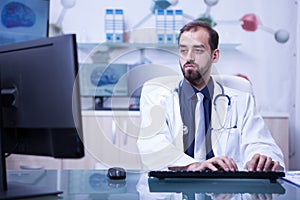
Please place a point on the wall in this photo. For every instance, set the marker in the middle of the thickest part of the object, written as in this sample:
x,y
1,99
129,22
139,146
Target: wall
x,y
295,158
270,66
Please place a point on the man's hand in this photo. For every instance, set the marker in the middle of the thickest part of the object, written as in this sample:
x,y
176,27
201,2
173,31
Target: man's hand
x,y
214,164
263,163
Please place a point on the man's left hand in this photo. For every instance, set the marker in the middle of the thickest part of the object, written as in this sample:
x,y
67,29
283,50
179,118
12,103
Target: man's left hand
x,y
263,163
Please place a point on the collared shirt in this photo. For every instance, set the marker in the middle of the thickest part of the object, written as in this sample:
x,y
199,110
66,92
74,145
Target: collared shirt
x,y
188,101
207,92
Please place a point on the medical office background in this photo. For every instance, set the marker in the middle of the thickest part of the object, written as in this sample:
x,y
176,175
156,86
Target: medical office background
x,y
270,65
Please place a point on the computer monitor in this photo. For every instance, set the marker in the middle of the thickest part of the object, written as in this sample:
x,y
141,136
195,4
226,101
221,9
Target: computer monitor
x,y
22,20
39,103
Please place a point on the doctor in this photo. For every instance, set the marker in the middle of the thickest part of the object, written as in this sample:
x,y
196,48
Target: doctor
x,y
197,123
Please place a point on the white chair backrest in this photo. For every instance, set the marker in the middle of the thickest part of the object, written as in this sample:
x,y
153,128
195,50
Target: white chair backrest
x,y
235,82
231,81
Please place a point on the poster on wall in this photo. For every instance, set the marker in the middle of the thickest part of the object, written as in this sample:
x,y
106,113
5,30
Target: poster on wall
x,y
23,20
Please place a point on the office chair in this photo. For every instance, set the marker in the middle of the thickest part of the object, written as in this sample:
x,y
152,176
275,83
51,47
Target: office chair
x,y
235,82
231,81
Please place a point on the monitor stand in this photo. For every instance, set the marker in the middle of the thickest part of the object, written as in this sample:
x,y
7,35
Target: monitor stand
x,y
18,190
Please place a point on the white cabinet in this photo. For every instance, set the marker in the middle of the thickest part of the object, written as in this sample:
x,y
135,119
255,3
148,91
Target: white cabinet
x,y
278,125
110,140
110,136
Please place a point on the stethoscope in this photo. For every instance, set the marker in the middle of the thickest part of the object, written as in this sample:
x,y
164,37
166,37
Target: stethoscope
x,y
216,98
222,95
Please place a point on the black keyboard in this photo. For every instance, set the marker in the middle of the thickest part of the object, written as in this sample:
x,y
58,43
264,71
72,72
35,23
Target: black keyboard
x,y
272,176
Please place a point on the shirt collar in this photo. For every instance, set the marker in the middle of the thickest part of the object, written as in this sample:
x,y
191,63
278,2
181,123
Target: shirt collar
x,y
189,91
207,91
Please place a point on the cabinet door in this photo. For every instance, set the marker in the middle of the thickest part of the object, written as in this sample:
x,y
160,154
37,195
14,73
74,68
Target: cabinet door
x,y
279,128
100,139
128,130
111,141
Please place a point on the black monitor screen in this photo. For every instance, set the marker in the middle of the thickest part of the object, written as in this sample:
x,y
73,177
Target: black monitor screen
x,y
22,20
40,100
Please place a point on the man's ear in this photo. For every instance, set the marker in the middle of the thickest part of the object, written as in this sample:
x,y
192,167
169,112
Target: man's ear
x,y
215,55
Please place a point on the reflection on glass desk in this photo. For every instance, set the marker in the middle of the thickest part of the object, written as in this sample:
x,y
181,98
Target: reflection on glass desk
x,y
190,187
94,184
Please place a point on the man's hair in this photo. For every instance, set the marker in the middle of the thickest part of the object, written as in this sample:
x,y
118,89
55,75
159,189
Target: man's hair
x,y
194,25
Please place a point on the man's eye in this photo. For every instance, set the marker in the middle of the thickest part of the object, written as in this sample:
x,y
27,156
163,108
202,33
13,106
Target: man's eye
x,y
183,50
198,51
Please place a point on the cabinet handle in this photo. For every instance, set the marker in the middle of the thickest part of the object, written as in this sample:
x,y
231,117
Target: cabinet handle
x,y
125,133
31,167
113,128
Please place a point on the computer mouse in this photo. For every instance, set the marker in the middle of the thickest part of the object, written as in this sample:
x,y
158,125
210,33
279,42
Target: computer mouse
x,y
116,173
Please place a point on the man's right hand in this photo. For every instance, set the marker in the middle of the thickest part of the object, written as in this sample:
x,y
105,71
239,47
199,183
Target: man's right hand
x,y
214,164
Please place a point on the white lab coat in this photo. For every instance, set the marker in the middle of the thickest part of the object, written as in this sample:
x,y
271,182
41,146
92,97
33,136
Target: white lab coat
x,y
160,141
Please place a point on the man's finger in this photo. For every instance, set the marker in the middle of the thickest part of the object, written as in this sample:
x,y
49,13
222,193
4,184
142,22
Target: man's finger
x,y
261,163
252,164
275,166
268,164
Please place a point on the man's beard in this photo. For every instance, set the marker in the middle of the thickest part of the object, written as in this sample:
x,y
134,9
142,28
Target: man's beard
x,y
194,77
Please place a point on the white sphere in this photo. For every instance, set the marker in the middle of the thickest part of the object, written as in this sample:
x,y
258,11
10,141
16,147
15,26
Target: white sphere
x,y
211,2
68,3
282,36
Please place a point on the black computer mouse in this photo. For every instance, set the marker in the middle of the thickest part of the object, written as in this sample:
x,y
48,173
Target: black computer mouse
x,y
116,173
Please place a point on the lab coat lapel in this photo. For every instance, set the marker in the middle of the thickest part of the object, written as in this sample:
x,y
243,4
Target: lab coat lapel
x,y
172,107
218,119
219,109
176,124
188,101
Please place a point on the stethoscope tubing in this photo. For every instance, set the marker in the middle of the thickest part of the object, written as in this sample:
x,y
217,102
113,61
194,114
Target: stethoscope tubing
x,y
179,90
222,94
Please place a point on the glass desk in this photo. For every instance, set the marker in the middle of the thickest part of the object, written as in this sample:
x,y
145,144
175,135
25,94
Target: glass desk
x,y
94,184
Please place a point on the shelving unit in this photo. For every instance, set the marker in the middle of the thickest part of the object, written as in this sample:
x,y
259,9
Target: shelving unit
x,y
110,140
108,47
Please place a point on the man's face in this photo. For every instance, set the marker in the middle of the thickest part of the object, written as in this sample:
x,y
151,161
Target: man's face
x,y
196,57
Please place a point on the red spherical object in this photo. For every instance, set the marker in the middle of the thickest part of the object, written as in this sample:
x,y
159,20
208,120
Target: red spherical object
x,y
250,22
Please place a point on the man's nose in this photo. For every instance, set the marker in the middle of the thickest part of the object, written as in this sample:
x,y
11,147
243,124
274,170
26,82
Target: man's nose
x,y
190,55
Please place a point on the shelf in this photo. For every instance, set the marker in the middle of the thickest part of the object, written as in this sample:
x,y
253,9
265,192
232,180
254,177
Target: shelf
x,y
127,45
104,47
